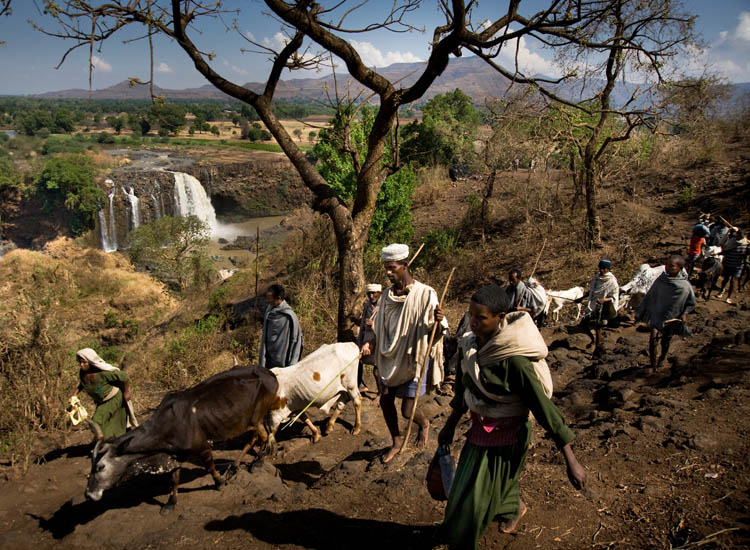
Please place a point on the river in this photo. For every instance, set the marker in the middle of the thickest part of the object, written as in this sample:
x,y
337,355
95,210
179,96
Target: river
x,y
230,231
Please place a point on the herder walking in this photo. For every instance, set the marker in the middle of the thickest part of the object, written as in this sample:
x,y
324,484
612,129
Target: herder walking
x,y
603,301
407,313
281,341
502,376
367,332
664,308
109,387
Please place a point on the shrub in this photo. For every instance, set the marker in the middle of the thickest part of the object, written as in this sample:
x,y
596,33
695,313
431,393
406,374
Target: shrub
x,y
9,176
69,182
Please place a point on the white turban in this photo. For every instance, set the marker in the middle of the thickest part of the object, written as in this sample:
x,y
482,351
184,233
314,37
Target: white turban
x,y
373,287
394,252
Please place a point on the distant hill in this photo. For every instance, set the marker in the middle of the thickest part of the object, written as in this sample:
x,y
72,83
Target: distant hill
x,y
472,75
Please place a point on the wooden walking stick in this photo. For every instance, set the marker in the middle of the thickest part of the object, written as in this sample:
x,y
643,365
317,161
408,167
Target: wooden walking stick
x,y
257,253
425,368
538,257
415,255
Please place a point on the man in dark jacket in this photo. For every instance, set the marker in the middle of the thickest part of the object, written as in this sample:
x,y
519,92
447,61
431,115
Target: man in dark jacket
x,y
281,342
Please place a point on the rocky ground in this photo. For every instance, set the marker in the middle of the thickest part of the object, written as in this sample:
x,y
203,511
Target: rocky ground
x,y
666,455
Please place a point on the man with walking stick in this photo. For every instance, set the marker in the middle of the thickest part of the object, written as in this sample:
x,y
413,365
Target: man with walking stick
x,y
406,317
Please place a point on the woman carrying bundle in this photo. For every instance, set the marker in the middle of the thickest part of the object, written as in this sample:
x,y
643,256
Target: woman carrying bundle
x,y
109,387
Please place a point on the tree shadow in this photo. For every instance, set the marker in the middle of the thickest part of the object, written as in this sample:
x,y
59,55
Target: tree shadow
x,y
73,451
319,529
140,489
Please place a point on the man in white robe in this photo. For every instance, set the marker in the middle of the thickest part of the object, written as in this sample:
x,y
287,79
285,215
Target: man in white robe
x,y
406,316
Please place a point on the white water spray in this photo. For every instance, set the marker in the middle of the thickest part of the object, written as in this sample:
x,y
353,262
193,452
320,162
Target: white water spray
x,y
190,198
134,207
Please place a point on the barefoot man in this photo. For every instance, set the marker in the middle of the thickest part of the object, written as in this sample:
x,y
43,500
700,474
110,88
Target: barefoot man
x,y
403,324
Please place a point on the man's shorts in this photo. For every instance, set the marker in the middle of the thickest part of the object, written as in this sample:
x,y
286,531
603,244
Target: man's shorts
x,y
409,389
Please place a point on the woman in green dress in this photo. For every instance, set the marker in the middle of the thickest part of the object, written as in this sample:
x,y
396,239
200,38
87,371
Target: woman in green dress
x,y
109,387
501,377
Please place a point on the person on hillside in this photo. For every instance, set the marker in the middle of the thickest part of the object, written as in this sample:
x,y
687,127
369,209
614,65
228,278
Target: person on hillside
x,y
281,341
407,314
664,308
696,246
502,376
603,302
366,332
734,248
109,387
717,232
517,292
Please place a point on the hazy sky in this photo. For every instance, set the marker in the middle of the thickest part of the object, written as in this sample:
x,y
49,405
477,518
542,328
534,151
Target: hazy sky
x,y
28,59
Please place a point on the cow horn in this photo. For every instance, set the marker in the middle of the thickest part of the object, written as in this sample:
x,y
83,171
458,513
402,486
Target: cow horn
x,y
96,429
234,358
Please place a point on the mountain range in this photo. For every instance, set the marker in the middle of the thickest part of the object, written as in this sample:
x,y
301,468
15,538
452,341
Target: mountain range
x,y
470,74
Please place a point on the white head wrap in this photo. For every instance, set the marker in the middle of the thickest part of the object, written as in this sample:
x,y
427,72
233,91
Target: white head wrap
x,y
373,287
93,359
394,252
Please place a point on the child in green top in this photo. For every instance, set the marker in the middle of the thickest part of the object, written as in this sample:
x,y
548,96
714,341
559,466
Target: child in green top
x,y
485,486
109,387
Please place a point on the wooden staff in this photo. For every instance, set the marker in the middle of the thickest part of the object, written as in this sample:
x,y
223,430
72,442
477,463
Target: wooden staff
x,y
538,257
257,253
425,368
415,255
726,221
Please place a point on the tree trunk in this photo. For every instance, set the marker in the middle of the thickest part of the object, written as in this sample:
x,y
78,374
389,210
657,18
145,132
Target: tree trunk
x,y
351,278
577,183
593,221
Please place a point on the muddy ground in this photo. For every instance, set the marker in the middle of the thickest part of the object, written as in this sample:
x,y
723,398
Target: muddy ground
x,y
666,455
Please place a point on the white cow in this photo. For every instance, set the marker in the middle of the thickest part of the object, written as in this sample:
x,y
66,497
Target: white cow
x,y
563,297
330,371
632,293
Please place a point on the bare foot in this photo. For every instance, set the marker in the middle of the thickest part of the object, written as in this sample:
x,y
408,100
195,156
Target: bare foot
x,y
393,451
510,526
424,435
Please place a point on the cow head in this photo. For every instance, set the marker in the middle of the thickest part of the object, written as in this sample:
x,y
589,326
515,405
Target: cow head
x,y
109,462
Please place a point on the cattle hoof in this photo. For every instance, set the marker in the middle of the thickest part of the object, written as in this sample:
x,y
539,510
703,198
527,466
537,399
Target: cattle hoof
x,y
316,437
355,431
167,509
255,465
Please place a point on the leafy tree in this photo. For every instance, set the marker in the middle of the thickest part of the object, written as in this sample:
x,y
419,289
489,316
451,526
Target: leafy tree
x,y
168,116
64,122
69,182
215,130
447,132
311,136
173,248
392,216
10,177
298,134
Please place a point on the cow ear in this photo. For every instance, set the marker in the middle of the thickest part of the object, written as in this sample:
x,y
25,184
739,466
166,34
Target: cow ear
x,y
123,444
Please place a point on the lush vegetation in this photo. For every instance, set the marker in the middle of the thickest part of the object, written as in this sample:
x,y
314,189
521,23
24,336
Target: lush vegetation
x,y
68,182
392,218
173,249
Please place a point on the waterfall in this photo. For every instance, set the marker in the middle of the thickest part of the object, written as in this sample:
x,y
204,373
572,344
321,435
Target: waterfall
x,y
134,207
108,243
190,198
112,226
157,214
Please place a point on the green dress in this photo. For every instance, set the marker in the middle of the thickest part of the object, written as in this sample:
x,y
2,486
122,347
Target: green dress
x,y
486,487
110,415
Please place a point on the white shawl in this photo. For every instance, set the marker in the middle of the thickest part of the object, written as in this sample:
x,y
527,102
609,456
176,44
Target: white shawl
x,y
603,286
403,325
517,335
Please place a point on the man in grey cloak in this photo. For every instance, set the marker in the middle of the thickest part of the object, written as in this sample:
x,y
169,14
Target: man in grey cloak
x,y
664,308
281,341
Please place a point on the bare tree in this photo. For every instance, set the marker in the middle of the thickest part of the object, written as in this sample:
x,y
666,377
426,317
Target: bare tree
x,y
562,23
635,41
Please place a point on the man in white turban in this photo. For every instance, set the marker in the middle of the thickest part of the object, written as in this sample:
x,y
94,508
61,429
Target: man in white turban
x,y
407,313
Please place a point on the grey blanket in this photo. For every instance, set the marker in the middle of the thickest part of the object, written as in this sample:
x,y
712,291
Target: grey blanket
x,y
518,295
668,298
281,343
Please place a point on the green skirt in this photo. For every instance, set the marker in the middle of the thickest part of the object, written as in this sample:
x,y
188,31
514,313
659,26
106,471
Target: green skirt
x,y
485,488
112,416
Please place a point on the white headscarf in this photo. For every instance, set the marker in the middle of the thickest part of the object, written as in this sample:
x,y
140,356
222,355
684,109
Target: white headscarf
x,y
93,359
